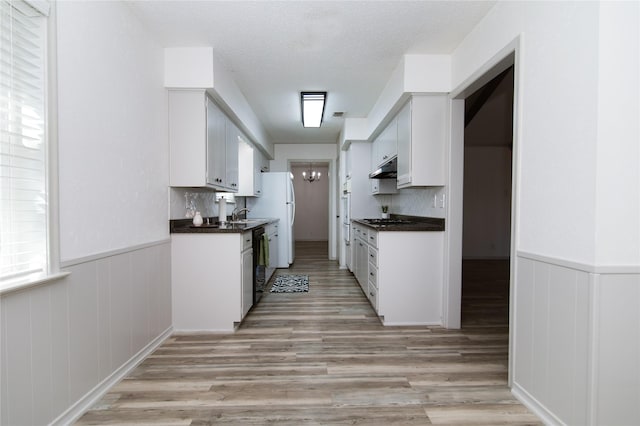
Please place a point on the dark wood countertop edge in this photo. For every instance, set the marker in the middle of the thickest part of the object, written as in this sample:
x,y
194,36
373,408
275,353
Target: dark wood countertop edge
x,y
419,223
184,226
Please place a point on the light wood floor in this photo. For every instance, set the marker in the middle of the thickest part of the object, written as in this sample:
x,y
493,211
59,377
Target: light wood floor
x,y
323,358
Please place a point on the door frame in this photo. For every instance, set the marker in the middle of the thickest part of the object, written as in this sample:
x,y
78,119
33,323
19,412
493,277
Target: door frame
x,y
452,294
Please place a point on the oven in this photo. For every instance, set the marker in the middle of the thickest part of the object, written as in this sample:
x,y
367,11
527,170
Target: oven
x,y
259,282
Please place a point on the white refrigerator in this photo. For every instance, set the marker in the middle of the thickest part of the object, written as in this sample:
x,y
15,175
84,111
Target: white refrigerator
x,y
278,200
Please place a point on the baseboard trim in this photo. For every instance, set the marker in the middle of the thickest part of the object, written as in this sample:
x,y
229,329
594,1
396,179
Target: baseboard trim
x,y
75,411
536,407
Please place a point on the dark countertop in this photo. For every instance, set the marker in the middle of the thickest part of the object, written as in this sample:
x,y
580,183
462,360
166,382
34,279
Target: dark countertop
x,y
186,226
408,223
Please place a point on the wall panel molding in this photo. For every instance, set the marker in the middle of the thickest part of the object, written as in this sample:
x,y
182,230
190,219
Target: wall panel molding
x,y
65,343
569,326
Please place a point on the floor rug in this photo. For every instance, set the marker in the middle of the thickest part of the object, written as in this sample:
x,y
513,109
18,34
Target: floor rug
x,y
290,284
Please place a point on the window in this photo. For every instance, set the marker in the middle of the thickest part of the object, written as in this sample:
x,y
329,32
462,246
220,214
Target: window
x,y
23,140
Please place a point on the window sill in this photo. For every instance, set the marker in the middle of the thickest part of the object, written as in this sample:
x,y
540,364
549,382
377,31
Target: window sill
x,y
30,281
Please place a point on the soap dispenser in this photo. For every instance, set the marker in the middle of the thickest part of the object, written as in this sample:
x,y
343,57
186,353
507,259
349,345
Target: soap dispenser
x,y
197,219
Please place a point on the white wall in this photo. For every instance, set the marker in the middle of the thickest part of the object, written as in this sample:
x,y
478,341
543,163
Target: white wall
x,y
112,130
65,342
569,54
487,202
577,253
617,237
312,206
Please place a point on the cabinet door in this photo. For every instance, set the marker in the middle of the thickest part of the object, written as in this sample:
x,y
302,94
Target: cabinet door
x,y
246,169
273,249
231,156
404,144
386,142
363,264
257,172
247,281
422,130
187,136
216,145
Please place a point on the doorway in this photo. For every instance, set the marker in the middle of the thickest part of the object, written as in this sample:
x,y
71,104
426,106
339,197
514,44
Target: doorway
x,y
486,218
507,57
312,201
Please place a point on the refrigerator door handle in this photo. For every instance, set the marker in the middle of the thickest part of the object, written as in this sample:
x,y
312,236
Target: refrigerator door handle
x,y
293,203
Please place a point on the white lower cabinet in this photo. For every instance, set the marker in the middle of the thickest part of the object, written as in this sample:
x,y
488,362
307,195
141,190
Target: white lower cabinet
x,y
272,233
402,274
211,280
247,281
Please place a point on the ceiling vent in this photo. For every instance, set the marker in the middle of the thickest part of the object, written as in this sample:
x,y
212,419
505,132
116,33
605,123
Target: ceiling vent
x,y
338,114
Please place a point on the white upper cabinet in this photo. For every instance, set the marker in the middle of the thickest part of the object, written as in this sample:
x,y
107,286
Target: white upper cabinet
x,y
202,143
260,164
245,169
385,145
216,146
422,132
188,138
250,164
231,156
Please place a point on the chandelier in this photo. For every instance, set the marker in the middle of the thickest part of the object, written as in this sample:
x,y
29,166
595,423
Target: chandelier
x,y
311,175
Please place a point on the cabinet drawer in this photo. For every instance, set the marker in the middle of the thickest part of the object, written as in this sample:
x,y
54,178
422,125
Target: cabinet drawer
x,y
372,237
372,295
246,240
373,275
373,256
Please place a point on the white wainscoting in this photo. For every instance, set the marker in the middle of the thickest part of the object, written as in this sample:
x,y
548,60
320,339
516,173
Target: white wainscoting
x,y
576,349
64,343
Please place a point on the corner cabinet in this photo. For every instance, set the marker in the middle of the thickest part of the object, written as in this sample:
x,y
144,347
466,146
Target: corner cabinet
x,y
203,143
422,134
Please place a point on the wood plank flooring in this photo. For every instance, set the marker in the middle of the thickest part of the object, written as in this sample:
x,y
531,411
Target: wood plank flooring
x,y
323,358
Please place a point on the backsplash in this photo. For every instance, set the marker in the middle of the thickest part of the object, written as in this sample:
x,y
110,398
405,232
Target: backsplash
x,y
204,201
416,202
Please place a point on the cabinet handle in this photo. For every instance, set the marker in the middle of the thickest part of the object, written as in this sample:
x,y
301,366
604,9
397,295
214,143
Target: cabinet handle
x,y
371,273
371,256
371,294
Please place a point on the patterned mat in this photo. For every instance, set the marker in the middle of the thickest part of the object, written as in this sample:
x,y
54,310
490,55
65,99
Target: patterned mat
x,y
290,284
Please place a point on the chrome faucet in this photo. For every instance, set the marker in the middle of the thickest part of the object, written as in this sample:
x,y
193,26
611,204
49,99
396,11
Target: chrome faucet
x,y
236,212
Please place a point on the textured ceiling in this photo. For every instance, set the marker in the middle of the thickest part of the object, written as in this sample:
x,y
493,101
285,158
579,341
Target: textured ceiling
x,y
275,49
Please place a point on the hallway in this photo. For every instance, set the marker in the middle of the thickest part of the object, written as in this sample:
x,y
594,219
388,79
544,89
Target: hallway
x,y
321,358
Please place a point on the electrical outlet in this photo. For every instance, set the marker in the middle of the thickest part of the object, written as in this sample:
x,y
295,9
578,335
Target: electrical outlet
x,y
441,204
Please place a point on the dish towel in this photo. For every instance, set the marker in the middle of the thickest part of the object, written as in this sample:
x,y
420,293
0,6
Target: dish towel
x,y
263,256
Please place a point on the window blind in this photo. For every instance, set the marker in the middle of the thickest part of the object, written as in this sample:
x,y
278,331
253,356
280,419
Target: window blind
x,y
23,148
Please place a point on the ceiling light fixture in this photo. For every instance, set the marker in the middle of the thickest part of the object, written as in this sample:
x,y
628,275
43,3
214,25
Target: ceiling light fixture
x,y
312,104
311,175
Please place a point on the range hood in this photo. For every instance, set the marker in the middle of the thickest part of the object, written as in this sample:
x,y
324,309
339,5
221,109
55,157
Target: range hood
x,y
388,170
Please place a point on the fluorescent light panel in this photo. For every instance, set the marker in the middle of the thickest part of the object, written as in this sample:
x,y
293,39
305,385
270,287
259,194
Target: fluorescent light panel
x,y
312,108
